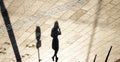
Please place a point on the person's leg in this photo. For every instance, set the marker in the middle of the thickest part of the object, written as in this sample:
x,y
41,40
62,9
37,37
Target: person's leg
x,y
56,51
55,55
53,47
53,58
56,59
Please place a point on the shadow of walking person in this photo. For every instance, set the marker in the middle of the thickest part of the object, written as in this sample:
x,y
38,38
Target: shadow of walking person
x,y
38,44
55,42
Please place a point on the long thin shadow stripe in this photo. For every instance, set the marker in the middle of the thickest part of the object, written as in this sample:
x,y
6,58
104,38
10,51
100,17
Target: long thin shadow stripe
x,y
8,25
95,58
108,54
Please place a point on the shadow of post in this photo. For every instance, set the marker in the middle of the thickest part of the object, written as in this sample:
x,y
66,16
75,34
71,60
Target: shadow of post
x,y
8,25
38,44
106,60
93,30
95,58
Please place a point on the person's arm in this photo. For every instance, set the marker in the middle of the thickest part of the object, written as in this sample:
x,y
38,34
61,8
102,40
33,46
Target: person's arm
x,y
52,33
59,31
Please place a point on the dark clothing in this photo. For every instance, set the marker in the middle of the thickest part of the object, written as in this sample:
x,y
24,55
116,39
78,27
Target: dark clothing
x,y
55,41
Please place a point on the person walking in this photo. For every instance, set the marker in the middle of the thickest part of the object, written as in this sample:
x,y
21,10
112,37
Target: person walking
x,y
55,42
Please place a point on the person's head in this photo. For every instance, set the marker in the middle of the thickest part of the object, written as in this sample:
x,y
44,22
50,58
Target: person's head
x,y
56,25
